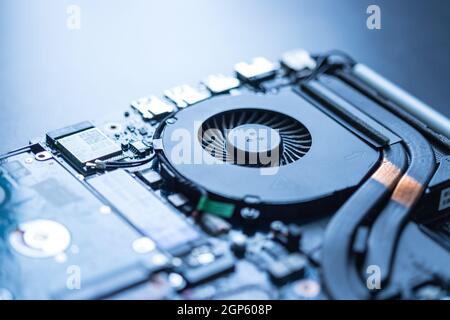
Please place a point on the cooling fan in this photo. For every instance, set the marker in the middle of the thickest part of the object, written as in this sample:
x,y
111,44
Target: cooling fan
x,y
265,152
247,137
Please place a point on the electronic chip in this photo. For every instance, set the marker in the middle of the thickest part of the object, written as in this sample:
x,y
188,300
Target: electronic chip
x,y
145,211
139,148
87,146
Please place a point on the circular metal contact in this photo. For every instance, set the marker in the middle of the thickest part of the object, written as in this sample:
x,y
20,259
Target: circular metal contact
x,y
176,281
42,156
143,245
171,120
40,238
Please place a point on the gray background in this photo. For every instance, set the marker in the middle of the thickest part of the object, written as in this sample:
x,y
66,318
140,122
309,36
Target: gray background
x,y
51,76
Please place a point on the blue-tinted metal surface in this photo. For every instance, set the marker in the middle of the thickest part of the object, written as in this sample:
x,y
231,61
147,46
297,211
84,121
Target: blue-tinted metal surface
x,y
51,76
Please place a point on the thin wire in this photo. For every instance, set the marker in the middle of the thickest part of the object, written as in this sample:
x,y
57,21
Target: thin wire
x,y
14,152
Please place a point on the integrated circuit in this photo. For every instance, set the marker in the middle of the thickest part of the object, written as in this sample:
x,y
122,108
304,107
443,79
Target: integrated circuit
x,y
87,146
145,211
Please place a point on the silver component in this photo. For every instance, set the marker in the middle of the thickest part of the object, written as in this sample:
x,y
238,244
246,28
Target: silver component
x,y
175,95
185,95
171,120
40,238
152,106
298,60
151,177
435,120
28,160
219,83
89,145
97,164
238,237
157,143
143,245
205,258
142,107
258,69
158,107
43,156
176,281
177,199
250,213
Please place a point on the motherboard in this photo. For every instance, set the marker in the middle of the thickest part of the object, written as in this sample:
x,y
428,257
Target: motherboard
x,y
312,177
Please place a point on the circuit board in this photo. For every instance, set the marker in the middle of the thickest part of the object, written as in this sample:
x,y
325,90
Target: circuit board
x,y
298,179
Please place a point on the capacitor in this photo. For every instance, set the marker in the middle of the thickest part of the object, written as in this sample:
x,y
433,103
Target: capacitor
x,y
238,243
294,237
278,228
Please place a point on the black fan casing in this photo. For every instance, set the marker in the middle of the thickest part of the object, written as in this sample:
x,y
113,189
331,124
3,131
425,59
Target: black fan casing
x,y
336,163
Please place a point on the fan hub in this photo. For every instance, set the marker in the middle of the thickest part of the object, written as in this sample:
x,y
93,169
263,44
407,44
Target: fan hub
x,y
254,144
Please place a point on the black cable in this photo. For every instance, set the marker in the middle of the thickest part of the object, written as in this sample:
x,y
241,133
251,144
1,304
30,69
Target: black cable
x,y
131,162
323,63
14,152
103,165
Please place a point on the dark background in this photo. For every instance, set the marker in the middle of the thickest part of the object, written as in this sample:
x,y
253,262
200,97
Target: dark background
x,y
51,76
